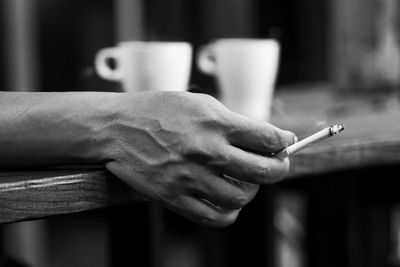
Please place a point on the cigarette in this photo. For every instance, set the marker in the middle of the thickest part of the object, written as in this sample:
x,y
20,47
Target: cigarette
x,y
311,140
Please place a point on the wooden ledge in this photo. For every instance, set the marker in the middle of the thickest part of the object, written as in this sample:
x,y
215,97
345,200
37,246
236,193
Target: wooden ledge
x,y
344,156
38,194
371,138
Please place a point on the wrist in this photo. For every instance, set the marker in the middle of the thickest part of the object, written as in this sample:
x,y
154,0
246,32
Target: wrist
x,y
95,144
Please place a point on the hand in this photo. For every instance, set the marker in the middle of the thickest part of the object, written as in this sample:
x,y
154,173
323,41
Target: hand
x,y
189,153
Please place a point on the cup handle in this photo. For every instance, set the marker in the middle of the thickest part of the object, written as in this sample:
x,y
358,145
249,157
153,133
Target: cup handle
x,y
206,61
103,68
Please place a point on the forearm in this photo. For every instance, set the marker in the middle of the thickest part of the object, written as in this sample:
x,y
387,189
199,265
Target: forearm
x,y
185,151
44,129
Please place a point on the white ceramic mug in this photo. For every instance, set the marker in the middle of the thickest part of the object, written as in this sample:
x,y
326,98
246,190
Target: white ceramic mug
x,y
245,70
144,66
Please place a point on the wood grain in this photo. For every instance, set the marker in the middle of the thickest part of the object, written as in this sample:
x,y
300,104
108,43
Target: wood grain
x,y
346,156
36,194
371,138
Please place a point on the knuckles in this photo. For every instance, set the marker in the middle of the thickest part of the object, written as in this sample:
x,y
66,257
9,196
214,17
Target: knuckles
x,y
206,99
267,174
241,200
244,196
218,219
211,111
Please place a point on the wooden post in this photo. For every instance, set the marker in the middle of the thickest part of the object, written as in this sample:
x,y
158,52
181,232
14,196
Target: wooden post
x,y
21,62
26,240
129,20
365,44
229,18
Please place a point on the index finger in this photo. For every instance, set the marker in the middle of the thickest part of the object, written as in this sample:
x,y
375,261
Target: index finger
x,y
258,136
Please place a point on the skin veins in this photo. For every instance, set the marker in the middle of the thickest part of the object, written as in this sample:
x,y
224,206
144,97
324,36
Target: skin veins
x,y
183,151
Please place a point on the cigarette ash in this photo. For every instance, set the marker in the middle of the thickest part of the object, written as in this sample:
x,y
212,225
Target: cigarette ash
x,y
335,129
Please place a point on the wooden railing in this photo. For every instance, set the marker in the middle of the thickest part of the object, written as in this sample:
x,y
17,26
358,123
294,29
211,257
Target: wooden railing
x,y
371,138
38,194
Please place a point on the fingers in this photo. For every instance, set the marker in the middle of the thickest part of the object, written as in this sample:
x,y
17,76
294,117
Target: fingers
x,y
209,198
204,198
205,183
251,167
225,192
258,136
203,212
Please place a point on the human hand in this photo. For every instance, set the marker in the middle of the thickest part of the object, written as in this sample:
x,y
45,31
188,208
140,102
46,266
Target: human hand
x,y
190,154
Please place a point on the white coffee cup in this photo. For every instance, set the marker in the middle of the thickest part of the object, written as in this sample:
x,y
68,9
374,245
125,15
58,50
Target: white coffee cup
x,y
145,66
245,70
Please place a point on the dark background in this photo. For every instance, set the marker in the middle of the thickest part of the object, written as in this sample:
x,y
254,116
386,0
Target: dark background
x,y
70,33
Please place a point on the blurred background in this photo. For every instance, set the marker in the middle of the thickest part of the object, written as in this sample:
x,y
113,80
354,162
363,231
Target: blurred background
x,y
56,40
345,219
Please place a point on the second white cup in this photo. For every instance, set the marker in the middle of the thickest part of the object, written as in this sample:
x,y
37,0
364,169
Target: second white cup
x,y
245,70
147,66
